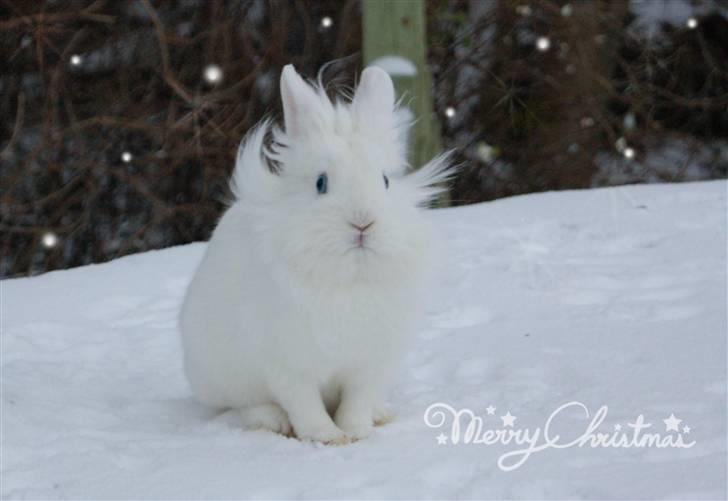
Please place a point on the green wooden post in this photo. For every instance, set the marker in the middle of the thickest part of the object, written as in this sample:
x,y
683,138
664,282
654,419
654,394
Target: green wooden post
x,y
397,28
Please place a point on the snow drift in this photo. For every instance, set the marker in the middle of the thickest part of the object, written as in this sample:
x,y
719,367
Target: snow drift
x,y
611,297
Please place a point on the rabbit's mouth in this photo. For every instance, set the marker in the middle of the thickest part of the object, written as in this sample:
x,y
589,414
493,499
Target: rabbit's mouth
x,y
362,242
359,244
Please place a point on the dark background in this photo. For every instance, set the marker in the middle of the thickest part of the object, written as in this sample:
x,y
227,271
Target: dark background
x,y
626,92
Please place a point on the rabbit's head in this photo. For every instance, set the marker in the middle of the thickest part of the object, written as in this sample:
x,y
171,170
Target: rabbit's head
x,y
340,207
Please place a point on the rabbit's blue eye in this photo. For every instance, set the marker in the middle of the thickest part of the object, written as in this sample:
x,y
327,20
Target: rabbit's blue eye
x,y
386,181
322,184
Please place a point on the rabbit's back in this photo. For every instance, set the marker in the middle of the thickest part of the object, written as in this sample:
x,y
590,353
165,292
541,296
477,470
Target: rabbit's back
x,y
219,329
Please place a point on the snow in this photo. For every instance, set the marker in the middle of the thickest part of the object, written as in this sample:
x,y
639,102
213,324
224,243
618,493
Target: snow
x,y
396,66
611,297
664,158
650,15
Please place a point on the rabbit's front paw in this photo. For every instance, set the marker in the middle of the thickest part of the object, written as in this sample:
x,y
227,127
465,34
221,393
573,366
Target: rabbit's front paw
x,y
328,436
357,427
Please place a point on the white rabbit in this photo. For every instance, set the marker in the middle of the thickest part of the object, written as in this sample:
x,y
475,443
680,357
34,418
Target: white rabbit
x,y
311,282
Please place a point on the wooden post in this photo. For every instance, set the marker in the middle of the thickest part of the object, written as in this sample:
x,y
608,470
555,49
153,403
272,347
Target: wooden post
x,y
394,35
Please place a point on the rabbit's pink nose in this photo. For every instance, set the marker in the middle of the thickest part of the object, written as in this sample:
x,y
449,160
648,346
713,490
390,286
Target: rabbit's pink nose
x,y
362,228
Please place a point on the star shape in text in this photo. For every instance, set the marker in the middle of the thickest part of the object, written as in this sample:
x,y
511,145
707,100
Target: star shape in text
x,y
509,419
671,423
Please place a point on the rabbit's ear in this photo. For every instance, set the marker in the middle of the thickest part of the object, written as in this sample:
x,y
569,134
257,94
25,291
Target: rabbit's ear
x,y
300,103
374,98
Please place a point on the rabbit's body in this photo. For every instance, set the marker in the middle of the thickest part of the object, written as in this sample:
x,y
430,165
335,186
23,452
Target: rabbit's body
x,y
256,327
304,299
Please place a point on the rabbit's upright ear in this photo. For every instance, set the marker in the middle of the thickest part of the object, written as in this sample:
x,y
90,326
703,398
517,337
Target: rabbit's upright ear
x,y
301,105
373,103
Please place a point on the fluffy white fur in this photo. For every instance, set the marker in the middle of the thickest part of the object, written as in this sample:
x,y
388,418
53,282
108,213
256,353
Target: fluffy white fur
x,y
288,317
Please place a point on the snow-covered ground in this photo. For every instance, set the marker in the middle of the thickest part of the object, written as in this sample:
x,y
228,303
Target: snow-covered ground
x,y
611,297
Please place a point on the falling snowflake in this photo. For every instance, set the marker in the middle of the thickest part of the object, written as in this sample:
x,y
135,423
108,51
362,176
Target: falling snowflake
x,y
543,44
50,240
213,74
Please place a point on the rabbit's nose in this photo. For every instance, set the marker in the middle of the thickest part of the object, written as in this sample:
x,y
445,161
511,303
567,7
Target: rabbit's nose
x,y
362,228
